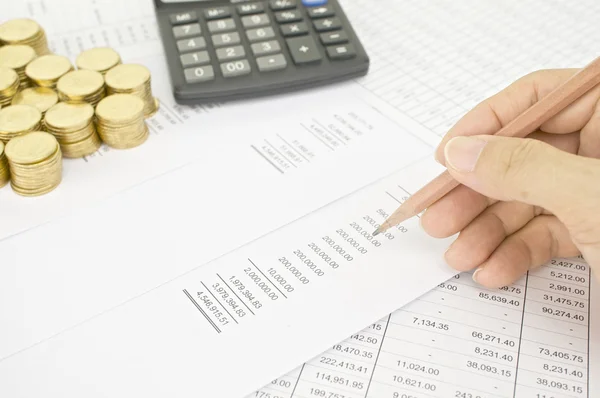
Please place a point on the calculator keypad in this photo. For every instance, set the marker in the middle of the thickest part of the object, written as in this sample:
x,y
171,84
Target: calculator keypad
x,y
251,35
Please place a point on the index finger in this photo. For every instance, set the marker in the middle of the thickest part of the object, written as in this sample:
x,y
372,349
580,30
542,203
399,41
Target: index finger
x,y
497,111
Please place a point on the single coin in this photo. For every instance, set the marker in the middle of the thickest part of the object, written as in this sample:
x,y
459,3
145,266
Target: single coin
x,y
47,69
18,119
16,56
19,30
127,76
80,83
42,98
31,148
99,59
67,116
120,108
8,79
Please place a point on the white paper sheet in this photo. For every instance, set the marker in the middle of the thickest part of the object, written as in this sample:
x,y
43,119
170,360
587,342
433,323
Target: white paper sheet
x,y
294,292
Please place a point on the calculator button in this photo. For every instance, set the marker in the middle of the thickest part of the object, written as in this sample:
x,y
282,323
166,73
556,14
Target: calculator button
x,y
343,51
195,43
183,18
227,53
260,34
312,3
199,74
321,12
221,25
288,16
277,5
186,30
226,39
323,25
271,63
303,49
252,21
194,59
334,37
235,68
217,12
294,29
266,47
247,9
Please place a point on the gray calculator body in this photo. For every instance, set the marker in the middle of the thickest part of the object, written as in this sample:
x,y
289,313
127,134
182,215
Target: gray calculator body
x,y
224,50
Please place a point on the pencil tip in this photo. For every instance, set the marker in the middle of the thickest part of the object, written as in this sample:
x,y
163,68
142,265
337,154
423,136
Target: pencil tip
x,y
377,232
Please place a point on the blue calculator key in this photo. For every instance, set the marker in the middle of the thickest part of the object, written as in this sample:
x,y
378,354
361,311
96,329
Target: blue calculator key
x,y
313,3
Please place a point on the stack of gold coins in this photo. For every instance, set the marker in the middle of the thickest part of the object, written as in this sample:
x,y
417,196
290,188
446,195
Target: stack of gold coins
x,y
73,126
99,59
120,121
24,31
17,120
81,86
42,98
17,57
35,163
45,71
9,85
4,170
132,79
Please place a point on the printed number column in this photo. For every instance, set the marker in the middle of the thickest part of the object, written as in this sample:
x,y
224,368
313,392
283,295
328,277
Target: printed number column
x,y
345,370
459,340
553,356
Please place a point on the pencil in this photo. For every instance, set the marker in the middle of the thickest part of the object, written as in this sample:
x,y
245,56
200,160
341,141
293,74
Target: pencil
x,y
523,125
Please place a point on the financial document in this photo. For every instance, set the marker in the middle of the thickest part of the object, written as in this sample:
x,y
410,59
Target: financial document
x,y
287,297
537,338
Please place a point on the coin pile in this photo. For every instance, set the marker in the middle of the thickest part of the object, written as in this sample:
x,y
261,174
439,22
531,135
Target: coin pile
x,y
99,59
81,86
132,79
42,98
73,126
17,57
35,163
24,31
18,119
45,71
9,85
4,171
120,121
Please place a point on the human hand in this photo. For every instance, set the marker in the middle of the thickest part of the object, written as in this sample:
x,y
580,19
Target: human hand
x,y
523,200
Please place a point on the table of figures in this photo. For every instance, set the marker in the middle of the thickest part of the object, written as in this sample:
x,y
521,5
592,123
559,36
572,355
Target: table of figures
x,y
460,340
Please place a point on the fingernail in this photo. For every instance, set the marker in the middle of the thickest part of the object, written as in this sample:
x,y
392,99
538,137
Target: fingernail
x,y
462,153
475,275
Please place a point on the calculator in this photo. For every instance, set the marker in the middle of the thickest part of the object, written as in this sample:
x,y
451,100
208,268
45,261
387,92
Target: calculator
x,y
224,50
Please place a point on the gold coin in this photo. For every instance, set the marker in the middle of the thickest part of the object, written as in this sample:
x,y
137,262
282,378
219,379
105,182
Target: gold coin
x,y
46,70
69,116
9,85
18,30
16,56
127,76
18,119
80,83
8,78
99,59
42,98
31,148
120,108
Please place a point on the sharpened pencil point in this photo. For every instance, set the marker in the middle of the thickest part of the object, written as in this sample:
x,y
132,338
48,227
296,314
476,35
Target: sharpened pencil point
x,y
377,232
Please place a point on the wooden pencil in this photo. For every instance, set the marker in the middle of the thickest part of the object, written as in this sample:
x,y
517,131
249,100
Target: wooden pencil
x,y
523,125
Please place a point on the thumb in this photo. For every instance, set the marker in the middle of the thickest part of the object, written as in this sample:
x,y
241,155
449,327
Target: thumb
x,y
533,172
